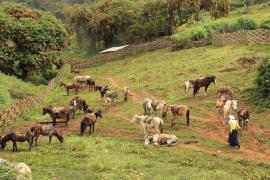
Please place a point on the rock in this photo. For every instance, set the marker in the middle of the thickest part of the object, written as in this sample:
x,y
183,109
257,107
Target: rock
x,y
23,171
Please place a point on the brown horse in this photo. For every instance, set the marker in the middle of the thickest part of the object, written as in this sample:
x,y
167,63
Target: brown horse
x,y
46,130
57,113
80,104
69,86
243,118
90,120
17,137
176,111
91,84
126,92
203,82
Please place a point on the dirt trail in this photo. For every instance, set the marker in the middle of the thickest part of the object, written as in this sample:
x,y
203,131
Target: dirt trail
x,y
254,150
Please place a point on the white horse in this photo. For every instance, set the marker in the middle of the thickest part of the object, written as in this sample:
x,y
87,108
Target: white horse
x,y
162,140
148,122
147,104
229,107
82,79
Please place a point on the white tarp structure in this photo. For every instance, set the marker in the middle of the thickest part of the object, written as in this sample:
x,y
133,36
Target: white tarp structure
x,y
113,49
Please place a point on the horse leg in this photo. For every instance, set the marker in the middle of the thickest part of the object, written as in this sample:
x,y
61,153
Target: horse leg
x,y
36,139
50,139
206,89
14,146
30,144
54,121
90,127
94,128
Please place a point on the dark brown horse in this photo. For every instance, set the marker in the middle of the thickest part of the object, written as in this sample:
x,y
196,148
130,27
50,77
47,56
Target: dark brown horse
x,y
176,111
102,90
17,137
203,82
90,120
69,86
46,130
80,104
57,113
243,118
91,84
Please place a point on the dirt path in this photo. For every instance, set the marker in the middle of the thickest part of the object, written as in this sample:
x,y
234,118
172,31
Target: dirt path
x,y
251,149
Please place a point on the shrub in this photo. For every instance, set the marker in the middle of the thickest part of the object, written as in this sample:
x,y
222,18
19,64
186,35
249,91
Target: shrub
x,y
246,24
265,24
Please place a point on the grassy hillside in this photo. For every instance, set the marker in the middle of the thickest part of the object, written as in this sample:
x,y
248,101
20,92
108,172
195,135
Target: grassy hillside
x,y
117,150
13,88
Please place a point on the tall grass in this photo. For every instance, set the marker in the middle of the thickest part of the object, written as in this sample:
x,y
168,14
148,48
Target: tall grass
x,y
205,30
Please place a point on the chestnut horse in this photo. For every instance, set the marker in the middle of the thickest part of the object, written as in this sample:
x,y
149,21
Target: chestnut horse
x,y
17,137
46,130
203,82
80,104
57,113
176,111
70,86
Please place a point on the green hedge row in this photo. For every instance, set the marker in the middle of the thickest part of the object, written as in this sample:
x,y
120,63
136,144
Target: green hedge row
x,y
222,25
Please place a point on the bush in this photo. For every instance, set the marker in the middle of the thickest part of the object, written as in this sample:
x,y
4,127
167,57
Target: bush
x,y
30,40
260,94
205,30
265,24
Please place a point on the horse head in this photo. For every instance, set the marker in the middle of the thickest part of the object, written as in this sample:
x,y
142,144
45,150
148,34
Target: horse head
x,y
213,79
62,84
99,113
234,105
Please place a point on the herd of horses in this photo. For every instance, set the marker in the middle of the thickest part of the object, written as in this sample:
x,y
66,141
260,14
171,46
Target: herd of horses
x,y
225,106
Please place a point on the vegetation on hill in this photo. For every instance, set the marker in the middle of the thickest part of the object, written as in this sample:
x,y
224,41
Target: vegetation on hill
x,y
29,42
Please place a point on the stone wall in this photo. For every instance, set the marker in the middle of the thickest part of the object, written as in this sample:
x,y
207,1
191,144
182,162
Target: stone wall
x,y
242,37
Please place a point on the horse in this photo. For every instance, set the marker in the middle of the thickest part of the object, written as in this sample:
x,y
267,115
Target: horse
x,y
102,90
189,84
17,137
157,105
69,86
91,84
126,93
176,111
79,103
162,140
112,95
82,79
57,113
243,118
90,120
226,109
147,104
225,91
148,122
46,130
107,102
203,82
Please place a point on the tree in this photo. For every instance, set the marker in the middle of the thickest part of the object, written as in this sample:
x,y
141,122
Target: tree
x,y
30,40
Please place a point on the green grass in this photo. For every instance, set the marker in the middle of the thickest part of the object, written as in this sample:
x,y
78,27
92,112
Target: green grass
x,y
111,158
13,88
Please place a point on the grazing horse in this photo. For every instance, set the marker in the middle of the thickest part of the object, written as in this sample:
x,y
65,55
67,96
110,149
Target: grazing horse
x,y
46,130
17,137
243,118
147,104
148,122
69,86
90,120
162,140
157,105
82,80
126,93
203,82
102,90
176,111
226,109
57,113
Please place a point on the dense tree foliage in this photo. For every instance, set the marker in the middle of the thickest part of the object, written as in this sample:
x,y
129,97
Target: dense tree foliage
x,y
110,21
29,42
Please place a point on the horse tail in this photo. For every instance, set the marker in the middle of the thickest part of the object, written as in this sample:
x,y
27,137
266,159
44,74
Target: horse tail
x,y
187,117
83,126
59,136
161,127
33,131
145,108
